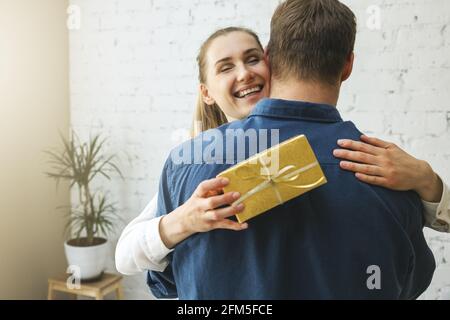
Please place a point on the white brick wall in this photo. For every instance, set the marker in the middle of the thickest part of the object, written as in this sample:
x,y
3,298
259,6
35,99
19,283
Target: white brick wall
x,y
133,78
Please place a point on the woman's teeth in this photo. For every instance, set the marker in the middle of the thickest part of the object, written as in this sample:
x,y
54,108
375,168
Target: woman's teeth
x,y
243,93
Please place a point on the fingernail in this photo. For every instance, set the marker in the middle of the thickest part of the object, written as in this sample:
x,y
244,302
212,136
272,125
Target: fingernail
x,y
341,141
236,195
336,152
244,225
224,181
240,206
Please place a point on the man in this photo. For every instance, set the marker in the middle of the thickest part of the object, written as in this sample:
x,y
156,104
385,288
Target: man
x,y
343,240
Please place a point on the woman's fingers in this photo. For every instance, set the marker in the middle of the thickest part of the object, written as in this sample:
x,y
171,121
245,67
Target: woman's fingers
x,y
381,163
362,168
212,193
206,209
356,156
220,214
375,180
375,141
230,225
359,146
220,200
207,187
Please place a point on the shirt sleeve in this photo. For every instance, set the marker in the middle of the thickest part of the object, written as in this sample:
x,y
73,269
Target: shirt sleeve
x,y
140,246
437,214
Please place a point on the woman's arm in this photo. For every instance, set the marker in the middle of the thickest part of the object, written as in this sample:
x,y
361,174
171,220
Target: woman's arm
x,y
437,215
146,241
140,247
384,164
202,213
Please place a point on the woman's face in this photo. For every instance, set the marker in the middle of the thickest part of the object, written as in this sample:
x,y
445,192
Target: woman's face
x,y
237,76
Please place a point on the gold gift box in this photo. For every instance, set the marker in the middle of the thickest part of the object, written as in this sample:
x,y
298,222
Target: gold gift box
x,y
274,176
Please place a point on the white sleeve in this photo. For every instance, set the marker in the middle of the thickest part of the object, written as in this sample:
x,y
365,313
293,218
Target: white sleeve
x,y
140,246
437,215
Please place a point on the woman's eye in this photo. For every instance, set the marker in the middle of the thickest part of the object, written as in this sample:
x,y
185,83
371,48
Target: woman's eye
x,y
225,68
253,60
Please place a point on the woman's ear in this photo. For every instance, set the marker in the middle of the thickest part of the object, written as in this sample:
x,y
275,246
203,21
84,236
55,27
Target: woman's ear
x,y
205,95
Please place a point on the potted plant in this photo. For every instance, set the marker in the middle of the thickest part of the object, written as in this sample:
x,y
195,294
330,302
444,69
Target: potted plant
x,y
92,218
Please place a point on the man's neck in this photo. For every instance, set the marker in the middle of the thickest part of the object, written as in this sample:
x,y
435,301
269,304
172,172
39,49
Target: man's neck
x,y
307,91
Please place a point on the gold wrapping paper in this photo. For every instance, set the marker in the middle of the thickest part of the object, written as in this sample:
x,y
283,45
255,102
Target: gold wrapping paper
x,y
274,176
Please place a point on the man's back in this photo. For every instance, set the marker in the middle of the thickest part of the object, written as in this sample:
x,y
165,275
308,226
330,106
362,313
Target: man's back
x,y
343,240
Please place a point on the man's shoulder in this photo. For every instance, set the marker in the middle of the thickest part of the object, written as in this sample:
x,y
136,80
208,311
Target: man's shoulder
x,y
207,147
373,202
196,151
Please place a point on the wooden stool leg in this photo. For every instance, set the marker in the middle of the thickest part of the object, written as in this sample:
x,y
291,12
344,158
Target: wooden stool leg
x,y
73,296
119,292
50,292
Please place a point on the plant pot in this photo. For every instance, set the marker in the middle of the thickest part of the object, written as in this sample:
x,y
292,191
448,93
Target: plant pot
x,y
87,262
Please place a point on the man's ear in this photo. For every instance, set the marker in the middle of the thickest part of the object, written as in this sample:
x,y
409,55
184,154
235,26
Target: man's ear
x,y
348,67
266,56
205,95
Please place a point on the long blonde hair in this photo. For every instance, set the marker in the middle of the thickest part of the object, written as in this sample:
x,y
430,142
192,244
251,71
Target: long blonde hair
x,y
211,116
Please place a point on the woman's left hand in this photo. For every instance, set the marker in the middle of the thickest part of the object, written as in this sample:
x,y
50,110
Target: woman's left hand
x,y
382,163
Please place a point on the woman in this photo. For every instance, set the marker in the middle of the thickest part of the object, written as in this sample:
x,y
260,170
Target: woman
x,y
233,77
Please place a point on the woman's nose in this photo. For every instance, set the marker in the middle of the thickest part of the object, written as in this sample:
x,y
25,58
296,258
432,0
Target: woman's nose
x,y
245,75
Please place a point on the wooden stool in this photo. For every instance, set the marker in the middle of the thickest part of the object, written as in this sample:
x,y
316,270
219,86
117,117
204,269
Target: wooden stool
x,y
95,289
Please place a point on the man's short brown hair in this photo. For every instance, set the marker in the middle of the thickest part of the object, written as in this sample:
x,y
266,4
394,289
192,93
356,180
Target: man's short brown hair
x,y
311,39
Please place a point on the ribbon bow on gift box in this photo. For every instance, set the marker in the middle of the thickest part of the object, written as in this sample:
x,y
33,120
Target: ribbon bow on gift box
x,y
286,176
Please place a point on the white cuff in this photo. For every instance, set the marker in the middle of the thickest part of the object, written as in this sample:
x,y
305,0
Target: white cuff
x,y
155,248
437,214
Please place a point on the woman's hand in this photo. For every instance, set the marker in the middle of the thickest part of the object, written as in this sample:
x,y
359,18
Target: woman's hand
x,y
202,213
384,164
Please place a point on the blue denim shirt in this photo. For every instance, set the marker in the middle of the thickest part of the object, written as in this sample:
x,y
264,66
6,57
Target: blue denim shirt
x,y
343,240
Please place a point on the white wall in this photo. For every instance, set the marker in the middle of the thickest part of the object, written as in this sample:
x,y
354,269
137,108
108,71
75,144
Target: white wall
x,y
133,77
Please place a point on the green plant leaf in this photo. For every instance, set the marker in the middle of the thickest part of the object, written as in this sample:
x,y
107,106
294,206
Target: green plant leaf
x,y
79,163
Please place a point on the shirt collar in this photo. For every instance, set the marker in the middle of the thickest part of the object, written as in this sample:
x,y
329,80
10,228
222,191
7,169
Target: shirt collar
x,y
279,108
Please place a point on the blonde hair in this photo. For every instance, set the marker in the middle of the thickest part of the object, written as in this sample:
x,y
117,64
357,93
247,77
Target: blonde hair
x,y
211,116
